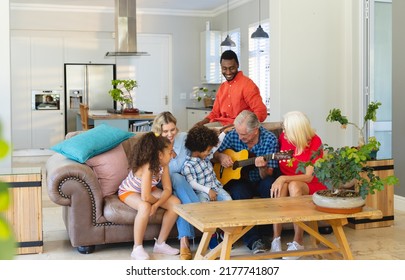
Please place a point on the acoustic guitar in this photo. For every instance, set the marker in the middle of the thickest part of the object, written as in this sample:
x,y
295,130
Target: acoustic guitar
x,y
242,159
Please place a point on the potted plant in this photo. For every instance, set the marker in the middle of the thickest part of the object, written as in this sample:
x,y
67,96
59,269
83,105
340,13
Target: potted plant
x,y
203,93
122,93
344,170
348,179
335,115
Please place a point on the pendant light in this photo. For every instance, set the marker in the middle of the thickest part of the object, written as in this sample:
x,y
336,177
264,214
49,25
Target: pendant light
x,y
228,41
259,33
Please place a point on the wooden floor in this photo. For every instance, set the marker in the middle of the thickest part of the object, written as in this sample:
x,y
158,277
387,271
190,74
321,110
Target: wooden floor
x,y
386,243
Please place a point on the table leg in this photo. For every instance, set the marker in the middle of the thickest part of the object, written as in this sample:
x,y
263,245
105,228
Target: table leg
x,y
337,226
202,248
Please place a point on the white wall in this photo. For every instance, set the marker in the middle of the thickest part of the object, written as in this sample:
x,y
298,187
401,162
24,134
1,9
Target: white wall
x,y
315,62
5,104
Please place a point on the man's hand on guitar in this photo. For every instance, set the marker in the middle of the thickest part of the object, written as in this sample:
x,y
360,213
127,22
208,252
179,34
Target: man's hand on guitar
x,y
225,160
260,162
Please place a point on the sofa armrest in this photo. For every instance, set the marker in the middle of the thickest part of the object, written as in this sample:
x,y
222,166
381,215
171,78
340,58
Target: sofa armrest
x,y
70,183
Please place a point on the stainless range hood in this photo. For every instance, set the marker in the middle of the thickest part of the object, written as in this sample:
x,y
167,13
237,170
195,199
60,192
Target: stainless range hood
x,y
125,29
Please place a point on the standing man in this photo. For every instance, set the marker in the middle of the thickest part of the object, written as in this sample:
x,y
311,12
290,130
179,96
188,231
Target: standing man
x,y
249,135
236,94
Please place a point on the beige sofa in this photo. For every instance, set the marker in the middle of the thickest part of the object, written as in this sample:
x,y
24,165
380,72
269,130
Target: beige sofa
x,y
92,216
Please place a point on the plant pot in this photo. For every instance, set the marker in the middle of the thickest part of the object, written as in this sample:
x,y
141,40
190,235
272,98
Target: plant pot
x,y
130,111
338,204
208,102
373,155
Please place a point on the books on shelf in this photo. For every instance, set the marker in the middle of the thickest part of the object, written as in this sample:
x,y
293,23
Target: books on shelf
x,y
141,126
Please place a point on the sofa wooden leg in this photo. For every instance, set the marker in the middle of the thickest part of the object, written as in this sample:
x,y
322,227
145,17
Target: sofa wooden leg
x,y
86,249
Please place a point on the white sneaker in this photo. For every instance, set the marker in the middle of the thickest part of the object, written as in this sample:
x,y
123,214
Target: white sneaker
x,y
164,248
139,253
276,245
293,246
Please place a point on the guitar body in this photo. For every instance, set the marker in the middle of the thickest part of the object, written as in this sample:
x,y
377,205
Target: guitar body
x,y
243,159
230,173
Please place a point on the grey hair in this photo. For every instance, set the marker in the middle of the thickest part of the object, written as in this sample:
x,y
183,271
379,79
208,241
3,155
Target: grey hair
x,y
248,117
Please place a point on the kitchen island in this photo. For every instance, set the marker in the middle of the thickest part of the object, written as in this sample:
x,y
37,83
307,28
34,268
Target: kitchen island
x,y
132,122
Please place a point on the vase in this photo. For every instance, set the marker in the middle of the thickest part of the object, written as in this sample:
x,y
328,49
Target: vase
x,y
208,102
129,109
339,205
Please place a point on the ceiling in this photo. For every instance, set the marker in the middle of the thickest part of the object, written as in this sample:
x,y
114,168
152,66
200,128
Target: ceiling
x,y
202,6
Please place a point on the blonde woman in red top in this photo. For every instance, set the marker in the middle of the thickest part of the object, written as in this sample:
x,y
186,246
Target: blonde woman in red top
x,y
299,136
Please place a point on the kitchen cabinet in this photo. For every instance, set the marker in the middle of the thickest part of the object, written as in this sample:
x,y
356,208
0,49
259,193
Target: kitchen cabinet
x,y
21,92
91,50
210,52
46,63
37,64
195,115
47,128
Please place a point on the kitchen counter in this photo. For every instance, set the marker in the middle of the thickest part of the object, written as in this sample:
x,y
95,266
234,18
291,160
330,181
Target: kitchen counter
x,y
199,108
196,114
122,121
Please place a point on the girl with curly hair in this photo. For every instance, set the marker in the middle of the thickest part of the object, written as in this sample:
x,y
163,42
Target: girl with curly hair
x,y
149,167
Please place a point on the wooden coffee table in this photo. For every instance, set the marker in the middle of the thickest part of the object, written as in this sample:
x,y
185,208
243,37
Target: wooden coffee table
x,y
237,217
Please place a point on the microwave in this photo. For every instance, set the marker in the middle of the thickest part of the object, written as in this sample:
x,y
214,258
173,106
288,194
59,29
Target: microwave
x,y
46,99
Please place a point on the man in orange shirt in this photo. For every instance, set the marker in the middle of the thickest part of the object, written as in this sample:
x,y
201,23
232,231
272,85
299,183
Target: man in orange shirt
x,y
236,94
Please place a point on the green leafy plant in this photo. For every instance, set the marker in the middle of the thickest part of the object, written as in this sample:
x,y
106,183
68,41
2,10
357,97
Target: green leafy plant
x,y
7,242
344,167
202,92
335,115
122,91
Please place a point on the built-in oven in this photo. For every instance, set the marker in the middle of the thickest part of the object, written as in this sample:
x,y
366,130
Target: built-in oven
x,y
46,99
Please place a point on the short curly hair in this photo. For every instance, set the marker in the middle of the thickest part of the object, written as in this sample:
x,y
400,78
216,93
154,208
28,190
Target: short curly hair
x,y
200,137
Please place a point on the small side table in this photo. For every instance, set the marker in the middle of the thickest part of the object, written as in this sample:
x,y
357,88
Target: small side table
x,y
25,212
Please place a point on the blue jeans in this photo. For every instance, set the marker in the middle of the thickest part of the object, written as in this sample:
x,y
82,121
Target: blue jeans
x,y
244,189
222,195
186,194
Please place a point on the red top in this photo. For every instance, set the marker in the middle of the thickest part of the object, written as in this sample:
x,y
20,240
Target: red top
x,y
235,96
314,144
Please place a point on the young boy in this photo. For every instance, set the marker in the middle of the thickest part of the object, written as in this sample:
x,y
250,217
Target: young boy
x,y
198,169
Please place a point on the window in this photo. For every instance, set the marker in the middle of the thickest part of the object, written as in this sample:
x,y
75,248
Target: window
x,y
377,74
259,62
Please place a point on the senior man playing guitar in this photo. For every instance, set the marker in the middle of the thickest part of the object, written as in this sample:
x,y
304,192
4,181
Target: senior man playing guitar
x,y
256,181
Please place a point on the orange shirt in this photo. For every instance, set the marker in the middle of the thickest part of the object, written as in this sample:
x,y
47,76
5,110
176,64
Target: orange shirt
x,y
235,96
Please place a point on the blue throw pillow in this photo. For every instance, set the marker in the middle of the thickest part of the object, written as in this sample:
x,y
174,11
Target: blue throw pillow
x,y
92,142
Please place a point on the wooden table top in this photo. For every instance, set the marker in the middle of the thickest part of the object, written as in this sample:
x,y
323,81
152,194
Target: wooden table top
x,y
220,214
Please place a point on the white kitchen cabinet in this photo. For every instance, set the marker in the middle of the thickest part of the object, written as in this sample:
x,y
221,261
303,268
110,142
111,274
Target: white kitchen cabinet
x,y
46,63
20,48
195,115
88,50
210,54
37,64
47,128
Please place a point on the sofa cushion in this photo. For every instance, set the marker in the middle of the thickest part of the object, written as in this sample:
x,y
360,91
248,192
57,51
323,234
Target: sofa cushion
x,y
91,143
111,168
118,212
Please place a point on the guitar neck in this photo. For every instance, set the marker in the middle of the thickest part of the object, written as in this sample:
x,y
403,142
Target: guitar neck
x,y
250,161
